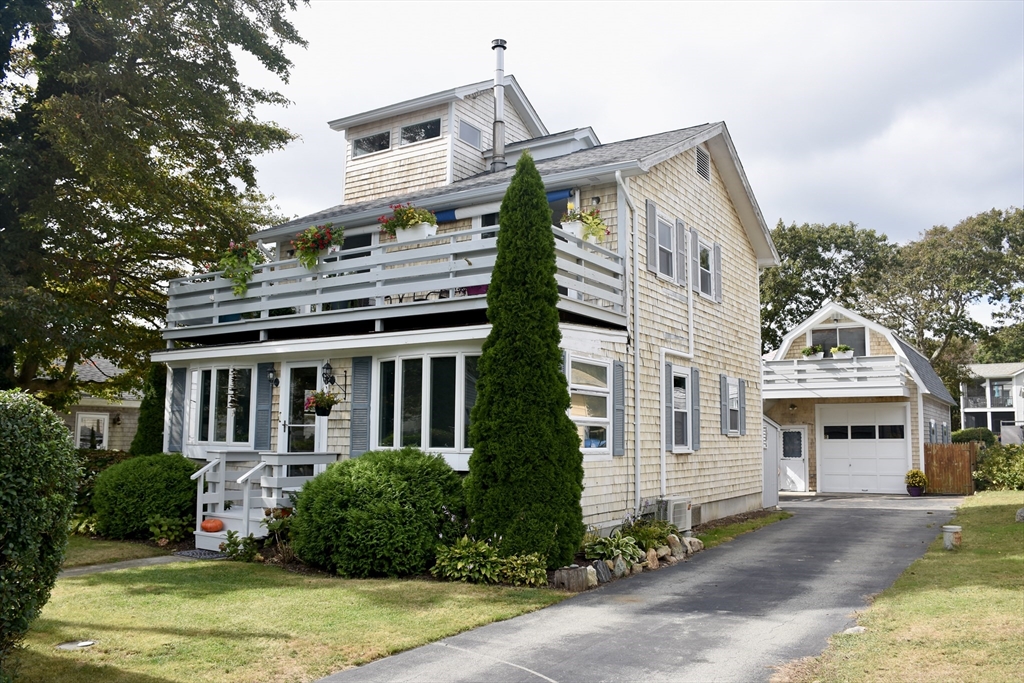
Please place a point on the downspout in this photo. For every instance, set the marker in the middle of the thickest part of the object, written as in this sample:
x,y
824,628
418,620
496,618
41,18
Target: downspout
x,y
636,349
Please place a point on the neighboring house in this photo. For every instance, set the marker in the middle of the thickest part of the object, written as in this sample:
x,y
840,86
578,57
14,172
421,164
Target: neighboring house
x,y
97,422
995,399
659,320
852,425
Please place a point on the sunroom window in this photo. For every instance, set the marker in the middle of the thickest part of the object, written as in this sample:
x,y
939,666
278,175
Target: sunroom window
x,y
590,393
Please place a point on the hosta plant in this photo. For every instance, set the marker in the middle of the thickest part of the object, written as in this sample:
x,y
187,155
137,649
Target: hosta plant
x,y
607,547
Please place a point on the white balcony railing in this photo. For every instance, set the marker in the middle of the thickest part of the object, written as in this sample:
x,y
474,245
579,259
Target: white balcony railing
x,y
831,378
449,272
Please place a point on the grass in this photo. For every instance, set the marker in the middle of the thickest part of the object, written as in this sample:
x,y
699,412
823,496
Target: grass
x,y
719,535
951,616
84,551
231,622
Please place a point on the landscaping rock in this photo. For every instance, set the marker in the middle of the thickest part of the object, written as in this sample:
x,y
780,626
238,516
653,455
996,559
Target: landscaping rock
x,y
610,565
652,559
637,568
693,545
663,551
573,580
604,573
854,630
676,546
620,567
591,577
670,560
1020,515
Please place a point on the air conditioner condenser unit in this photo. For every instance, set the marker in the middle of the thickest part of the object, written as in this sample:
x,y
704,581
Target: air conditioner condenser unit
x,y
678,511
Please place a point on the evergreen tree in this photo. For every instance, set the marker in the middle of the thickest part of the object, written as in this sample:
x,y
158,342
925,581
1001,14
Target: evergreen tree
x,y
526,472
149,438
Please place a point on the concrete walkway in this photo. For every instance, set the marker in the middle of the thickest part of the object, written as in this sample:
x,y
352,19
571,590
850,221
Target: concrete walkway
x,y
731,613
127,564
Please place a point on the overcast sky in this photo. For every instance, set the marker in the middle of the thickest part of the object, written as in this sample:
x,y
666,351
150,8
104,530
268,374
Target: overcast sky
x,y
896,116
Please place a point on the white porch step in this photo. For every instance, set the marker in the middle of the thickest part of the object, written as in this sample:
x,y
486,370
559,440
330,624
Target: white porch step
x,y
206,540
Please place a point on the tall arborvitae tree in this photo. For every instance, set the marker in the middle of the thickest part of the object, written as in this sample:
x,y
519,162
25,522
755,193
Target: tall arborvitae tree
x,y
526,472
149,437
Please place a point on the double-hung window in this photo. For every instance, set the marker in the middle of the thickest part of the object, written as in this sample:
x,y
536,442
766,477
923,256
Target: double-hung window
x,y
224,403
590,408
682,408
666,248
666,245
733,405
705,266
706,260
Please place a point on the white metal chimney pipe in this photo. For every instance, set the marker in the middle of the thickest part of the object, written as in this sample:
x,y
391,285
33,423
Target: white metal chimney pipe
x,y
498,160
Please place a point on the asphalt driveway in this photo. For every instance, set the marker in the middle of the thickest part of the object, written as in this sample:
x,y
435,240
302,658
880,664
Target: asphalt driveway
x,y
729,614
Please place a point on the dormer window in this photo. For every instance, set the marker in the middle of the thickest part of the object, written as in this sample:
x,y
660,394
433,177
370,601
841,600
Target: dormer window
x,y
378,142
834,336
418,132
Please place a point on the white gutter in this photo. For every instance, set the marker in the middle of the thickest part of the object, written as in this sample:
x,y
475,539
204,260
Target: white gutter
x,y
636,348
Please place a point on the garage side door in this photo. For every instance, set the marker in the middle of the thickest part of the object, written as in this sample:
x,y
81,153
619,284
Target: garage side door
x,y
863,448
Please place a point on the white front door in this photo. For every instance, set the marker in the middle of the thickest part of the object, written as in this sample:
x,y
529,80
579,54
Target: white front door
x,y
793,464
298,427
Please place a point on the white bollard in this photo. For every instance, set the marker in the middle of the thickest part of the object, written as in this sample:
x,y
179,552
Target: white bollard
x,y
951,536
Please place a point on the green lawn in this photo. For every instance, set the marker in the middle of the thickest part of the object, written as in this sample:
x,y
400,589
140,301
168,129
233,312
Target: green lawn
x,y
717,536
84,551
951,616
225,621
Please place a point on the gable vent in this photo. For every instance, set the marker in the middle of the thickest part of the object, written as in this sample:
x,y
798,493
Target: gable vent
x,y
703,164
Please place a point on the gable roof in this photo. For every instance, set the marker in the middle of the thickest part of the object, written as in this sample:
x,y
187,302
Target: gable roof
x,y
996,370
593,165
513,94
920,368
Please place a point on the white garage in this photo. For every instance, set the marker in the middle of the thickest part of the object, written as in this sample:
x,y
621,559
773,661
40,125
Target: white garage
x,y
862,447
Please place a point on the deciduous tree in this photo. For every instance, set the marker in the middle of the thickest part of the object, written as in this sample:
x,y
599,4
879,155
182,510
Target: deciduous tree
x,y
126,147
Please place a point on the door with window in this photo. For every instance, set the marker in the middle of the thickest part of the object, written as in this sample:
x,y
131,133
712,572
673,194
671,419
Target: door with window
x,y
793,464
299,425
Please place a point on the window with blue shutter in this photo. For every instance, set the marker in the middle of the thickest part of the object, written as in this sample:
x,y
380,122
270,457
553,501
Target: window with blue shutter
x,y
362,369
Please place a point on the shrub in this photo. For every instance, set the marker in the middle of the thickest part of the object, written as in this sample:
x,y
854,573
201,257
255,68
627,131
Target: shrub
x,y
607,547
974,434
149,436
38,474
1001,468
915,478
380,514
168,529
93,462
479,562
649,533
241,549
128,494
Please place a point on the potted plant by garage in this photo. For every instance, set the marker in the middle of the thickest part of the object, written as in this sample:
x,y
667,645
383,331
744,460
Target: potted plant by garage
x,y
408,224
916,482
813,352
321,402
842,352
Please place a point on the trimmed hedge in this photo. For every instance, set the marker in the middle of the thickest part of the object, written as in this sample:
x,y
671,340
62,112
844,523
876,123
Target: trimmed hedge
x,y
38,475
381,514
129,493
1001,468
93,462
973,434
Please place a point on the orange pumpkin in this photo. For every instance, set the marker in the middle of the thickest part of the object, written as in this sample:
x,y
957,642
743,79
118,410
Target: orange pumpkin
x,y
212,525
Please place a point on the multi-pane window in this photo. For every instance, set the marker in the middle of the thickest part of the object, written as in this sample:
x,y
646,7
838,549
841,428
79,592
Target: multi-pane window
x,y
680,409
666,248
418,132
378,142
706,265
830,337
734,405
91,430
224,405
590,409
426,401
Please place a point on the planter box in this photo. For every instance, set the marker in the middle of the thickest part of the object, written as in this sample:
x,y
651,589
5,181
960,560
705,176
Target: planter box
x,y
815,356
574,228
842,355
420,231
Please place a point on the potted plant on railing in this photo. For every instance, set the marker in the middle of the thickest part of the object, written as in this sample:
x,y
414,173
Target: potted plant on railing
x,y
585,224
309,243
842,352
916,482
407,223
239,263
813,352
321,402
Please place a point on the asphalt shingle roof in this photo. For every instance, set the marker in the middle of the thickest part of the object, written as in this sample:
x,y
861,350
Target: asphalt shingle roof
x,y
996,369
926,372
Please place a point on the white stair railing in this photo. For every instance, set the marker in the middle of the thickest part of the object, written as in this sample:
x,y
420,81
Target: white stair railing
x,y
200,477
246,489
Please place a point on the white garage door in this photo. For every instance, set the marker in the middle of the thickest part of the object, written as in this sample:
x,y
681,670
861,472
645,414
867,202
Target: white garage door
x,y
862,448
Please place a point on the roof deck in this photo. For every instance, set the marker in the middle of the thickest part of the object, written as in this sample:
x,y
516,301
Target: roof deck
x,y
865,376
440,281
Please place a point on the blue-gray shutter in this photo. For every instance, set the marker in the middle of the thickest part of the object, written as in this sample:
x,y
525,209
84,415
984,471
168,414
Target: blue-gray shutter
x,y
743,407
176,428
652,236
618,408
669,422
695,409
681,253
695,259
359,433
723,395
718,273
264,406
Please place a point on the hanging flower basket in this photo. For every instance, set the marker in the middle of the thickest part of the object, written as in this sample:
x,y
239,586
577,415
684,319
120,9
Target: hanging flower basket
x,y
310,243
321,402
323,412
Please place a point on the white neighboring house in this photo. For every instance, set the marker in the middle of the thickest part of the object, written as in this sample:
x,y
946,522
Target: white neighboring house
x,y
659,317
995,399
99,423
853,425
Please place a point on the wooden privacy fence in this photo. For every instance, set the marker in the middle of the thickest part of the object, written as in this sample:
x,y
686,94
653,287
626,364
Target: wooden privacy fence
x,y
948,467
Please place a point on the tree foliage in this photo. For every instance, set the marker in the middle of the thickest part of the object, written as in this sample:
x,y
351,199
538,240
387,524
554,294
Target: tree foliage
x,y
1002,345
38,476
818,263
126,146
149,435
526,471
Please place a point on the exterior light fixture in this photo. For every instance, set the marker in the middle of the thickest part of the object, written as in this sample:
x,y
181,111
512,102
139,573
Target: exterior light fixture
x,y
272,378
595,201
328,374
